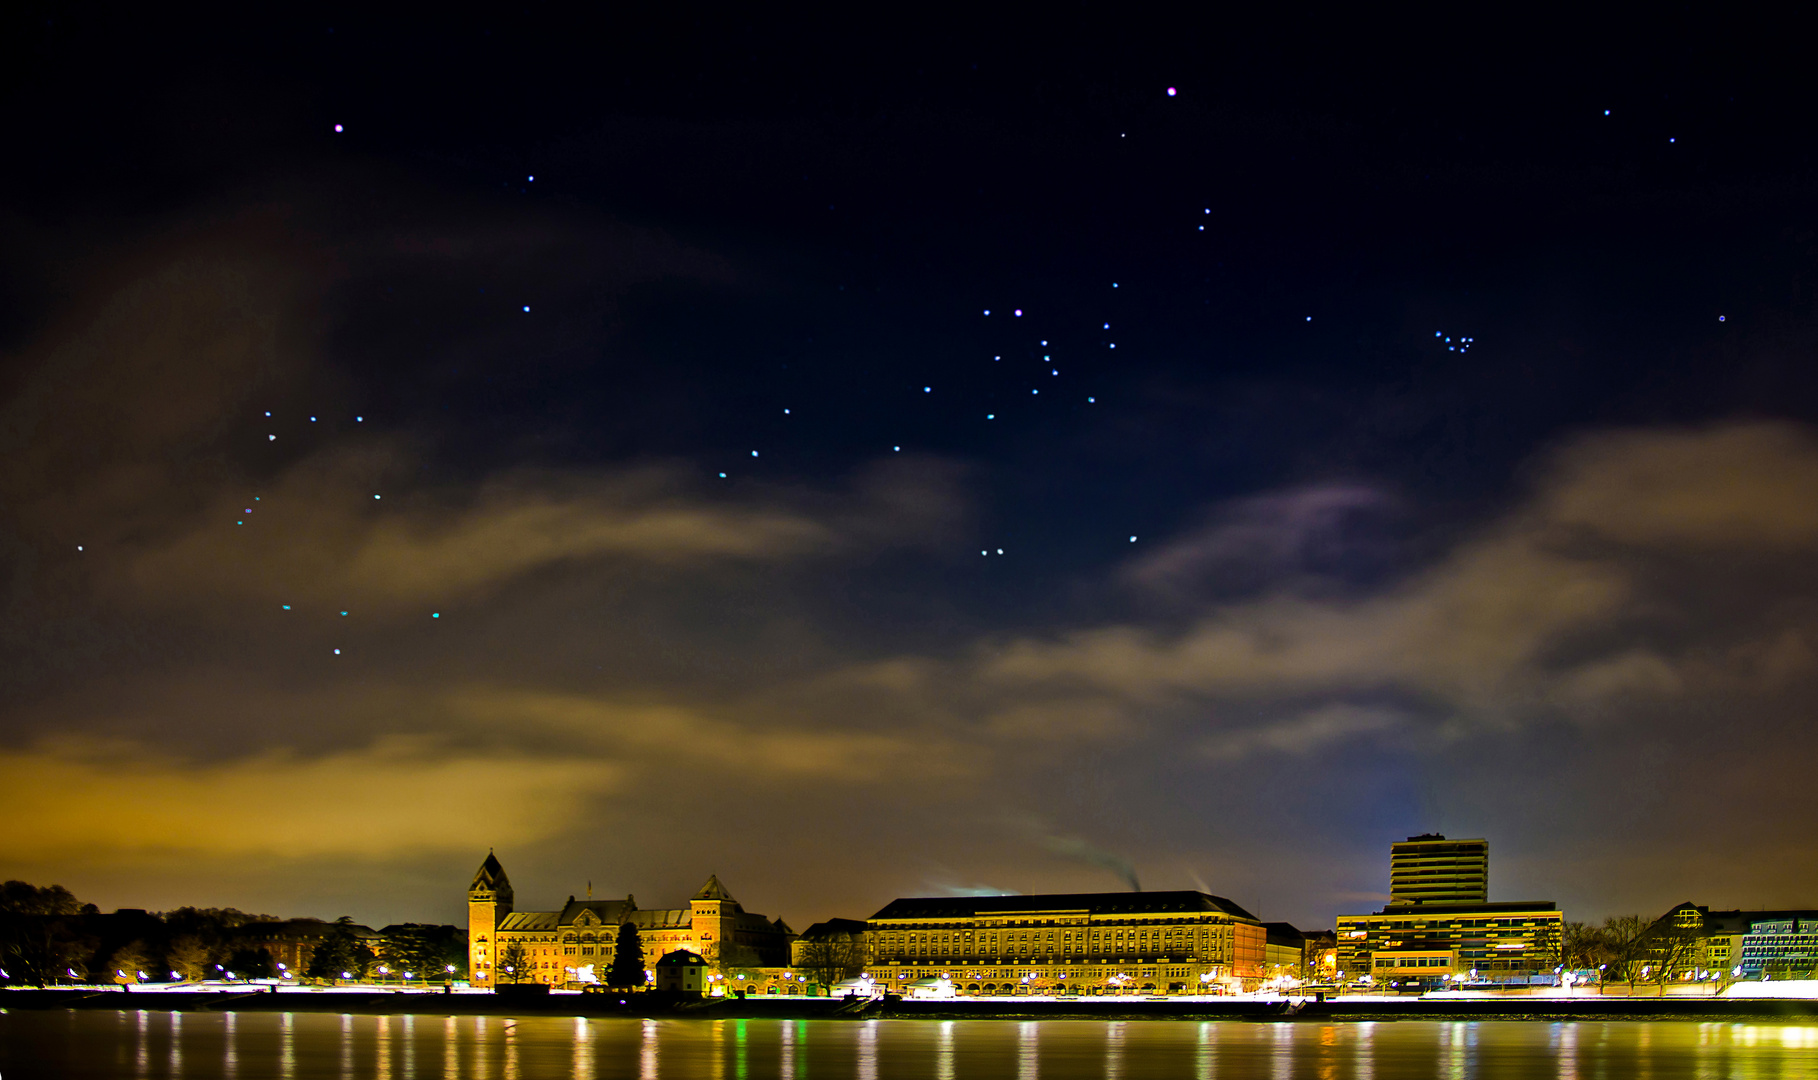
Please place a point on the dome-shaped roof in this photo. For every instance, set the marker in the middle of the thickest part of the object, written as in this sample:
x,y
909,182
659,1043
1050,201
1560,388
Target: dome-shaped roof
x,y
681,958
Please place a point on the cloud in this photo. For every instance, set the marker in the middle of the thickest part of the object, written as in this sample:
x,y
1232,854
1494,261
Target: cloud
x,y
78,801
1312,730
319,533
1257,541
1742,486
1578,600
744,746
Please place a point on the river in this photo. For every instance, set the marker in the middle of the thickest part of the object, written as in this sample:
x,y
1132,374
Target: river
x,y
305,1046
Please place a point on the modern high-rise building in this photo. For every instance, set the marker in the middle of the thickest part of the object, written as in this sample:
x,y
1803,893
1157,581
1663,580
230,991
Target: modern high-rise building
x,y
1430,869
1440,928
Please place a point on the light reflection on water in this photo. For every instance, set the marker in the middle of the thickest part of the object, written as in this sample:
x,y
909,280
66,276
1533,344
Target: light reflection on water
x,y
304,1046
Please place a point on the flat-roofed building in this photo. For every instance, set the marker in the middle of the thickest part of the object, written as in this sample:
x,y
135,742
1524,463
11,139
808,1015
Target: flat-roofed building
x,y
1426,945
1431,869
1069,943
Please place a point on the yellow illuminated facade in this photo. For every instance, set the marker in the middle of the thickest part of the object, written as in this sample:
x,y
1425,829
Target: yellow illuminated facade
x,y
576,944
1076,943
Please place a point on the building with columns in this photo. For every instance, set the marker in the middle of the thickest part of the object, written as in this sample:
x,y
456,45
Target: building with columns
x,y
576,943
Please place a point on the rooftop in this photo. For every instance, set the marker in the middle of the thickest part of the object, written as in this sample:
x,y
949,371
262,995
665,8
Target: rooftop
x,y
1118,903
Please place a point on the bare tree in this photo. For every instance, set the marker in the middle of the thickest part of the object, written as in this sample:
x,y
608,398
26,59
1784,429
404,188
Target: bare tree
x,y
1584,946
832,960
513,962
1626,939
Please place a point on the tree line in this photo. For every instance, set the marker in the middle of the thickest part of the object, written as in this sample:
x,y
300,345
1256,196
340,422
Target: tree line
x,y
48,936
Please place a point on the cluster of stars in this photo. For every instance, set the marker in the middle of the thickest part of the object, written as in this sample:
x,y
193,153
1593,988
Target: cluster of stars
x,y
1461,345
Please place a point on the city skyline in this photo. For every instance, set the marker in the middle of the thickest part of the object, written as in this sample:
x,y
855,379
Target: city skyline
x,y
1024,455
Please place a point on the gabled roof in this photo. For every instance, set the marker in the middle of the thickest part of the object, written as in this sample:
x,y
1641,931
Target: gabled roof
x,y
1118,903
491,876
608,913
713,890
530,920
660,918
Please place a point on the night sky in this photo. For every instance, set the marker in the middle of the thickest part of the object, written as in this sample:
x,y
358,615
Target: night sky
x,y
868,453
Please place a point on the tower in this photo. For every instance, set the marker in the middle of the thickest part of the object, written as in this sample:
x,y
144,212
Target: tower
x,y
488,902
713,922
1430,869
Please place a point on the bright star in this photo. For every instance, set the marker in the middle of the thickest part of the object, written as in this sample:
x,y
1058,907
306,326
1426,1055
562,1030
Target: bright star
x,y
754,453
1170,91
337,127
1133,539
526,307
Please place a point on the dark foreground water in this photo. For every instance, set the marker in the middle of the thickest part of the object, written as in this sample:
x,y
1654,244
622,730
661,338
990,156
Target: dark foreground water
x,y
257,1046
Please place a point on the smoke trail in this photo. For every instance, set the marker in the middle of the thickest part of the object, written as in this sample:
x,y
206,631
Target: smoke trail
x,y
1072,847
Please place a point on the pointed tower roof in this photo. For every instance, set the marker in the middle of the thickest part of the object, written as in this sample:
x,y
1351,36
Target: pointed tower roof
x,y
713,890
490,877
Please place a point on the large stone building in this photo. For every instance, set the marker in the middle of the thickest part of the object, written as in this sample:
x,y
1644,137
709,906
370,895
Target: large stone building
x,y
1072,943
575,944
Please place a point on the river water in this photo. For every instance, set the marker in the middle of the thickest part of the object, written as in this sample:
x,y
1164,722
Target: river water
x,y
256,1046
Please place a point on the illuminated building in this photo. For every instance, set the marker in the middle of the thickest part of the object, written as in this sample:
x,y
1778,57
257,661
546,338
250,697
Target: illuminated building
x,y
1440,927
1284,951
1430,869
682,972
576,944
1747,944
1072,943
1427,945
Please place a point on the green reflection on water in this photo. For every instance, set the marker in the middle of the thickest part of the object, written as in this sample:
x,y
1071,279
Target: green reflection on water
x,y
304,1046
